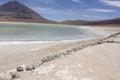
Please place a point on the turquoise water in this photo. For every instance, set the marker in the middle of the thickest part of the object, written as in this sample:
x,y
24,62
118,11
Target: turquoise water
x,y
43,32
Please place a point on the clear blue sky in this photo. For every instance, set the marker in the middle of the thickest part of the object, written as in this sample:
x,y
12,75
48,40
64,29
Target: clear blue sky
x,y
60,10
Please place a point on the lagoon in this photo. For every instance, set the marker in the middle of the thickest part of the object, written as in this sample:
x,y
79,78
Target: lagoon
x,y
45,32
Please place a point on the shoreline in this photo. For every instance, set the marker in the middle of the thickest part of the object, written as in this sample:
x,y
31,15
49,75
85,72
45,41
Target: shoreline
x,y
11,54
62,50
28,52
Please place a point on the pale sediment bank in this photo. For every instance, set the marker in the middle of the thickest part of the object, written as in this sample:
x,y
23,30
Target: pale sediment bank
x,y
62,50
107,29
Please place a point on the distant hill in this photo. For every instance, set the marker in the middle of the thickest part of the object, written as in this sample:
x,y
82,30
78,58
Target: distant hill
x,y
93,23
16,11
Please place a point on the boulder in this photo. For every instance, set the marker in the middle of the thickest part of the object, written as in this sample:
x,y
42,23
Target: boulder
x,y
64,54
56,56
45,59
99,42
69,51
32,66
20,68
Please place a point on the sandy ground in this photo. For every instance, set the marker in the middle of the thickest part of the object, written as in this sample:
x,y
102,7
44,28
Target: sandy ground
x,y
33,52
111,30
14,54
101,62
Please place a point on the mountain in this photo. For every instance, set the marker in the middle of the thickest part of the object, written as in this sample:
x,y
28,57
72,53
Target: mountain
x,y
93,23
17,11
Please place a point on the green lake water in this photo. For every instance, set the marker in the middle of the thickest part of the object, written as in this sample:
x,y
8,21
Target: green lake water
x,y
44,32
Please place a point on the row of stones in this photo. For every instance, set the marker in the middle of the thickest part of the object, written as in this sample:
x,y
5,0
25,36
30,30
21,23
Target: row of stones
x,y
54,57
59,55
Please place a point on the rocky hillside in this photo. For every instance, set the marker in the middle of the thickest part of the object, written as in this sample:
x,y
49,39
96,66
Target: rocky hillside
x,y
16,11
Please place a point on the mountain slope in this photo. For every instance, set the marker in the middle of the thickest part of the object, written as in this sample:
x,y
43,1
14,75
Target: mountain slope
x,y
16,11
100,22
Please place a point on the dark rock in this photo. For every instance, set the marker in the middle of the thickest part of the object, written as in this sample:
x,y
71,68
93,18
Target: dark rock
x,y
49,58
98,42
68,53
56,56
64,54
20,68
69,50
43,60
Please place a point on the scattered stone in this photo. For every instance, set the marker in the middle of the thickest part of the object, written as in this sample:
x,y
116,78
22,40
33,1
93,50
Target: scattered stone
x,y
32,66
56,56
49,58
68,53
43,60
15,75
64,54
98,42
52,57
20,68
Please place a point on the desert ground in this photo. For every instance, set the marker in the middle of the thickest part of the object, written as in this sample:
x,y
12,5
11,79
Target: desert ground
x,y
95,61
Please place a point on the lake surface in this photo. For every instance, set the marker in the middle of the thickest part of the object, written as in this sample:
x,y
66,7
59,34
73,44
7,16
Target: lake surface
x,y
44,32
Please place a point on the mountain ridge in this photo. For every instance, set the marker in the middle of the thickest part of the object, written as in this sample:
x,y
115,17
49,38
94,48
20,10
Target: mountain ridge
x,y
115,21
15,11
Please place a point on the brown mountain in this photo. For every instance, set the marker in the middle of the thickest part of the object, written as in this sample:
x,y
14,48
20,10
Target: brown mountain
x,y
93,23
16,11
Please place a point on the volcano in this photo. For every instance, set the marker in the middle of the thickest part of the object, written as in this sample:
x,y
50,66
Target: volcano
x,y
15,11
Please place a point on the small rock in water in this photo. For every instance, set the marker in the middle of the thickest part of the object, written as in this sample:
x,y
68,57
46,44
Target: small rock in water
x,y
20,68
32,66
15,74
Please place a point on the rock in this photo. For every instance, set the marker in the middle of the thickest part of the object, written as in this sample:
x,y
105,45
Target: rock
x,y
20,68
59,55
5,76
69,51
64,54
56,56
99,42
43,60
75,49
15,75
49,58
32,66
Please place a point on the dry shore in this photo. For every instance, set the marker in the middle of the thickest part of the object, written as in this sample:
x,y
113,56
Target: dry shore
x,y
107,29
29,53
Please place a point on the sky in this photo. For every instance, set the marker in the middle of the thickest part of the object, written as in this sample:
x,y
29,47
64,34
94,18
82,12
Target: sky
x,y
60,10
